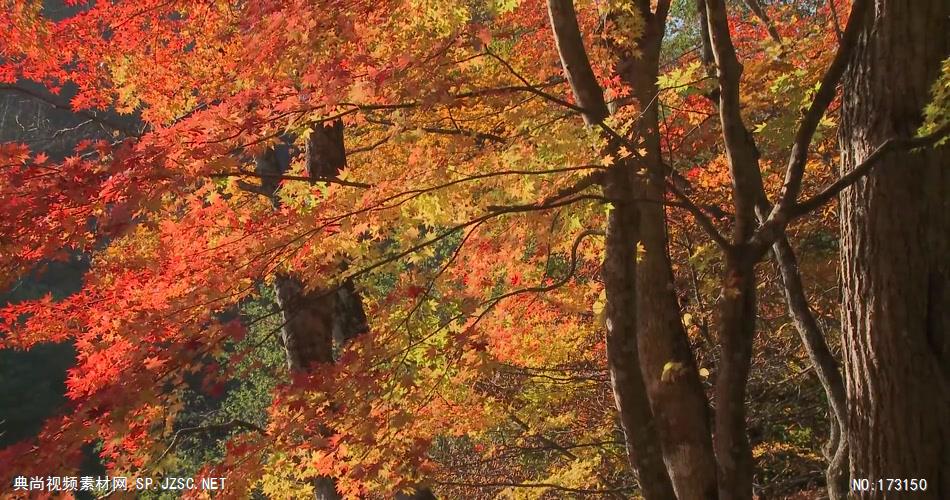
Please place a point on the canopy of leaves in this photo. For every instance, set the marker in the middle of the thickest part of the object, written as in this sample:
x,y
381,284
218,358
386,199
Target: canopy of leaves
x,y
480,276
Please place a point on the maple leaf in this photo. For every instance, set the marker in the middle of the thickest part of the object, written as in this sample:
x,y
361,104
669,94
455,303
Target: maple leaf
x,y
439,216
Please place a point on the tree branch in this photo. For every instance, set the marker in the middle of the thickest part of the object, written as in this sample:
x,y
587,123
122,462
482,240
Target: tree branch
x,y
701,218
482,136
576,188
834,19
826,93
231,425
92,116
502,484
741,151
534,89
278,177
577,69
864,168
774,226
760,13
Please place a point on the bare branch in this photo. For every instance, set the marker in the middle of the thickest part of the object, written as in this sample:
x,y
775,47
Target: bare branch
x,y
701,218
760,13
311,180
531,207
534,89
864,168
511,88
582,184
774,226
88,115
233,424
481,136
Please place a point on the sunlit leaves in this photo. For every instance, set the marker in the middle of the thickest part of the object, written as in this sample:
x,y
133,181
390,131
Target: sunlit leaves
x,y
480,308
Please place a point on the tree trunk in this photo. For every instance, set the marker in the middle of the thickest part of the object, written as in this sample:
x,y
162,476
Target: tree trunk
x,y
308,319
315,320
620,268
679,404
826,367
895,226
620,281
736,331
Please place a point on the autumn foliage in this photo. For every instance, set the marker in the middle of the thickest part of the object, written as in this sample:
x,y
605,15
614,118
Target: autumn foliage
x,y
467,216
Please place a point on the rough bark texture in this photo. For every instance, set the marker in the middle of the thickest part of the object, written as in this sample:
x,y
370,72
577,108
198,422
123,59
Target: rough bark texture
x,y
679,404
620,269
325,150
736,309
895,241
312,319
620,282
308,318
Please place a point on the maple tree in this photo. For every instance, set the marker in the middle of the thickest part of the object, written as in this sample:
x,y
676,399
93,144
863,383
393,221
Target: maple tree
x,y
469,226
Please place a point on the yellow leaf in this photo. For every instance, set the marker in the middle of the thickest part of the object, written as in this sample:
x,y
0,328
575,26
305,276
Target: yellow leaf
x,y
671,370
600,303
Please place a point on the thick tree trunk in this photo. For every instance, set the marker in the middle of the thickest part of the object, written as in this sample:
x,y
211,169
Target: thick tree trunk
x,y
620,268
308,319
324,488
679,404
736,331
895,227
620,281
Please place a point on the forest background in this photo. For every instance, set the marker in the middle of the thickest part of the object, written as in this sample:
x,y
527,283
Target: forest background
x,y
477,249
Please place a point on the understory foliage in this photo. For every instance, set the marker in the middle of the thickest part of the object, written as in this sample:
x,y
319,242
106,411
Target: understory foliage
x,y
458,217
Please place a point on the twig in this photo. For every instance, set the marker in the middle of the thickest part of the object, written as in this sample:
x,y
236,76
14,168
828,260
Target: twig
x,y
106,122
233,424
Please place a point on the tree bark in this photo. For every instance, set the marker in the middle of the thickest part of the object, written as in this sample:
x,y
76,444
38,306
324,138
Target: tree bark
x,y
630,394
679,404
316,320
737,304
308,318
620,268
895,242
736,330
577,69
826,367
